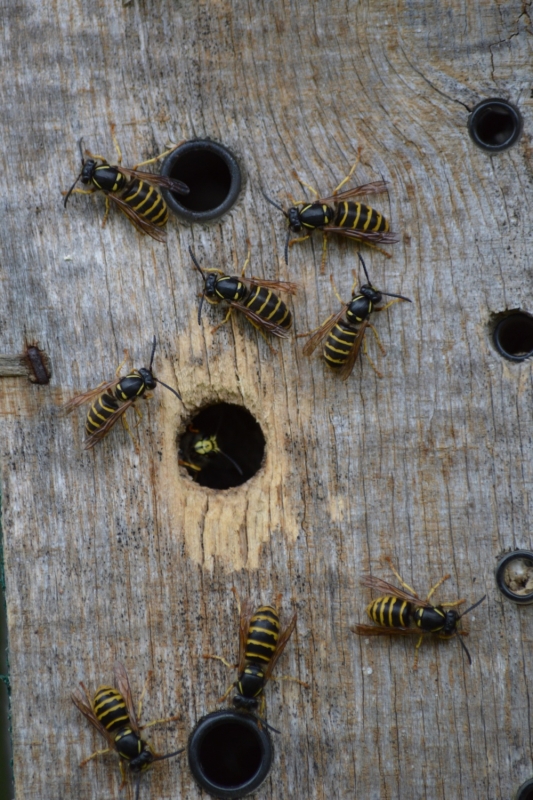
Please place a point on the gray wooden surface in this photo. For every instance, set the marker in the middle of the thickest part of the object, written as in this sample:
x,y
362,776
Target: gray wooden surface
x,y
110,554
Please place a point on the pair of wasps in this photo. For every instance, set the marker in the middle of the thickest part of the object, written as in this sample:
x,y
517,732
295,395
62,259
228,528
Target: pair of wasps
x,y
112,711
137,195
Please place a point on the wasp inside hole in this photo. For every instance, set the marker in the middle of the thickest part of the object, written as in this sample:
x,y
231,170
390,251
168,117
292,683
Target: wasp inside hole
x,y
337,213
397,608
253,297
261,643
113,714
344,338
134,192
110,401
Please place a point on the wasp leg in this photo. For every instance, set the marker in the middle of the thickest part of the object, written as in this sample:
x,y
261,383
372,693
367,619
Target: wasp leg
x,y
220,324
301,335
290,678
389,304
351,172
237,599
246,263
157,158
97,753
159,722
324,252
107,207
219,658
128,431
81,191
141,698
434,589
115,142
397,574
299,239
123,775
303,183
417,648
188,464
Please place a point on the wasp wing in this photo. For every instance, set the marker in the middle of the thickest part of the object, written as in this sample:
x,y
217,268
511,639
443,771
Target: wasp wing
x,y
244,627
79,699
384,587
98,435
376,187
280,647
372,237
346,370
255,319
80,399
123,685
163,181
320,333
376,630
281,286
142,225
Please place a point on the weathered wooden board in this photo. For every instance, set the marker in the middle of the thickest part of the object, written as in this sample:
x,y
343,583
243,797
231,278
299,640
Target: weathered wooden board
x,y
110,554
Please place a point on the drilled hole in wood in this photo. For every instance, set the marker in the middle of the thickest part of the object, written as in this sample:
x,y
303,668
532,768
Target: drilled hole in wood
x,y
525,792
222,446
513,336
229,755
212,174
494,124
514,576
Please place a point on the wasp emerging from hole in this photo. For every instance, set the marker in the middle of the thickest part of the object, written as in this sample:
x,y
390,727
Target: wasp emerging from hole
x,y
261,643
397,608
344,339
112,400
253,297
112,713
337,213
199,450
134,192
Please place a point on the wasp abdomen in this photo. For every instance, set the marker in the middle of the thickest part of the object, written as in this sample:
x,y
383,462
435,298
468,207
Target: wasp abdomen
x,y
110,708
146,201
359,217
339,344
263,635
103,407
269,307
390,612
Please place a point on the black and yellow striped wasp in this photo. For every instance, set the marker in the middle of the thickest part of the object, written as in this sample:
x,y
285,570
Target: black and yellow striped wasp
x,y
200,450
261,643
338,213
253,297
344,338
396,609
112,400
134,192
112,713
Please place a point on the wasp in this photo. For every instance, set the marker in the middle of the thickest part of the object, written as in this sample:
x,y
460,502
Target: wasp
x,y
134,192
344,338
112,713
254,298
261,643
112,400
338,213
394,610
200,450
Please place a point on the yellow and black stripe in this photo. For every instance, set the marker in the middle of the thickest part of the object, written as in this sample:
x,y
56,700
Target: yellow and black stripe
x,y
263,635
390,612
103,407
339,344
269,307
359,217
110,709
146,201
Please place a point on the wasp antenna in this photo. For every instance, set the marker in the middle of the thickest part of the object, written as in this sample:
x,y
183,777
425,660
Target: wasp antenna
x,y
261,721
287,247
465,648
154,343
468,610
230,459
170,389
400,296
366,271
170,755
196,264
272,203
71,189
81,149
138,786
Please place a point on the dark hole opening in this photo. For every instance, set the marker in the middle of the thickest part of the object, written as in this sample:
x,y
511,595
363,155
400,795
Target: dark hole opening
x,y
526,791
230,755
495,124
208,177
513,336
222,446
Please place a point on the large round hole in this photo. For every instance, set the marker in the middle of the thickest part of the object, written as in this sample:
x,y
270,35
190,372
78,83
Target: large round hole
x,y
514,576
525,792
212,174
495,124
229,754
513,336
222,446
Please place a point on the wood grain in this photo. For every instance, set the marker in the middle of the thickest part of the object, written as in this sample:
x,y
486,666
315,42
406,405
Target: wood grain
x,y
110,554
